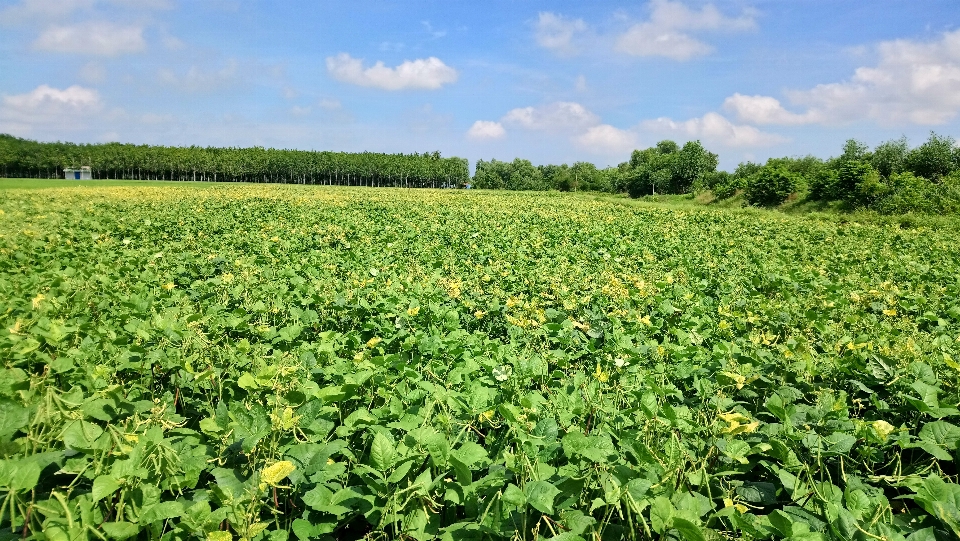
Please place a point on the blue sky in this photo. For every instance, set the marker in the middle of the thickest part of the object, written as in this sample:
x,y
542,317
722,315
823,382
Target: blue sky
x,y
553,82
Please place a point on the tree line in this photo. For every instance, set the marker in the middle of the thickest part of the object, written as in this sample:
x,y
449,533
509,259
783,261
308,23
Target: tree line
x,y
22,158
891,178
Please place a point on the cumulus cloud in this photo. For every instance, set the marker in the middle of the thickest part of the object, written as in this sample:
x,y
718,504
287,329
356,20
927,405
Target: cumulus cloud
x,y
607,139
197,79
43,10
557,33
45,105
764,110
486,130
96,38
911,83
561,115
668,32
298,111
426,73
74,98
715,129
330,104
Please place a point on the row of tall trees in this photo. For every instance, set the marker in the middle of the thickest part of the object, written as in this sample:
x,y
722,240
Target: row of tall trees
x,y
666,168
521,174
893,178
22,158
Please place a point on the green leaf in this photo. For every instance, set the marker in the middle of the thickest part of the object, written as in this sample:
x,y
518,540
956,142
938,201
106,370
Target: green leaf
x,y
942,500
81,435
382,452
941,433
104,486
661,514
514,496
13,416
689,531
161,511
540,496
247,382
325,500
120,530
19,474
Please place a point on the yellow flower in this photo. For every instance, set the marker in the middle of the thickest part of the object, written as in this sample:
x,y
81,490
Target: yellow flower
x,y
883,429
227,278
372,343
737,424
168,286
275,239
890,312
272,475
37,300
479,314
413,311
601,376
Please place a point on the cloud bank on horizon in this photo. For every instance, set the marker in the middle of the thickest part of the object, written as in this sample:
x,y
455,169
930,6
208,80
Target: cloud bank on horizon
x,y
547,81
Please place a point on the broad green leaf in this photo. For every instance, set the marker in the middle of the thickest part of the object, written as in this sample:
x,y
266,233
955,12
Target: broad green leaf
x,y
161,511
661,514
689,530
382,452
540,495
104,486
514,496
120,530
942,500
941,433
248,382
81,435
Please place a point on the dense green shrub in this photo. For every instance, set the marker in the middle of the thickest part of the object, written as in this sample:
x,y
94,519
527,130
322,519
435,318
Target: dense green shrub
x,y
823,186
730,188
934,159
710,181
668,168
770,186
858,184
907,192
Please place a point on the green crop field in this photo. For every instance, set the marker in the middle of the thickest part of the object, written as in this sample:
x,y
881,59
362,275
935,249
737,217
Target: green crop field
x,y
287,362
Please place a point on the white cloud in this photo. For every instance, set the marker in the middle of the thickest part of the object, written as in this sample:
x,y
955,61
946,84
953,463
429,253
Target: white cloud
x,y
74,98
607,139
199,80
298,111
715,129
581,84
436,34
556,32
486,129
43,10
330,104
93,72
764,110
429,73
45,106
96,38
911,83
561,115
173,43
667,32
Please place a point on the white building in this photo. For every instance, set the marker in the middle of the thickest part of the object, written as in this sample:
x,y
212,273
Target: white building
x,y
77,174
